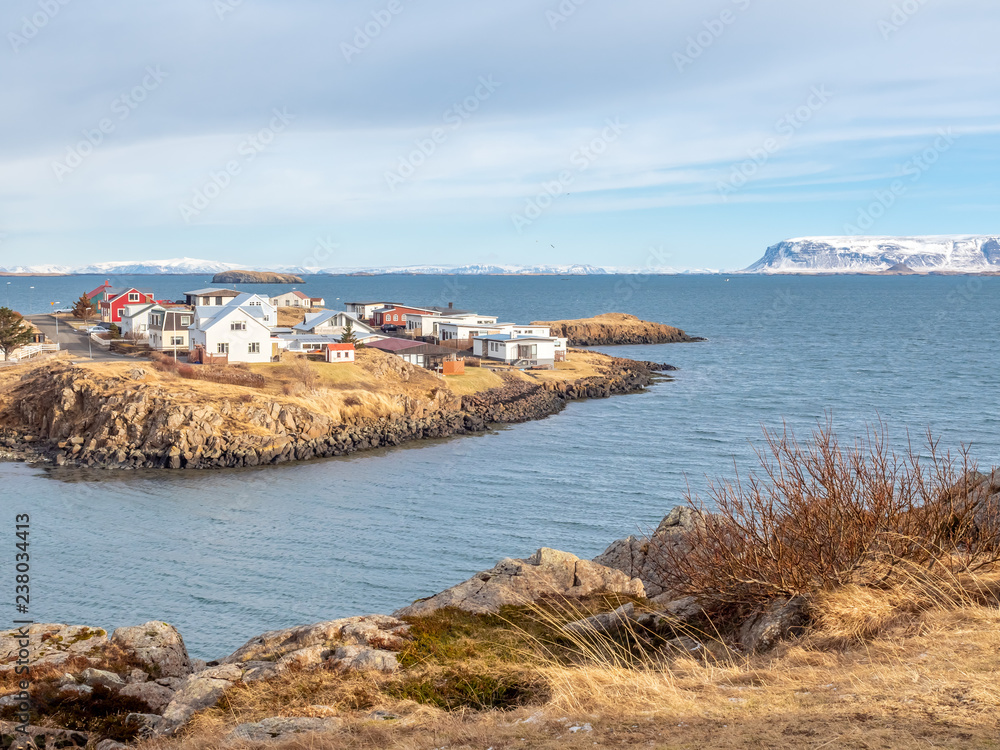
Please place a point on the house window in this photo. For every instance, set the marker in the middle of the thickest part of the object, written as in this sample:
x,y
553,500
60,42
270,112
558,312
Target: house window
x,y
176,341
133,297
185,320
254,347
255,302
206,300
238,325
222,348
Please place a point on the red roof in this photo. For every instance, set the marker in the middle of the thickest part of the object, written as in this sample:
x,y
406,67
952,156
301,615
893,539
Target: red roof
x,y
99,290
340,347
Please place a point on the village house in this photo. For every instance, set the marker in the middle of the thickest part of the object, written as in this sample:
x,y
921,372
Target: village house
x,y
317,302
135,319
364,310
211,296
100,294
466,328
333,323
293,298
520,350
168,328
339,353
416,353
237,332
115,300
395,314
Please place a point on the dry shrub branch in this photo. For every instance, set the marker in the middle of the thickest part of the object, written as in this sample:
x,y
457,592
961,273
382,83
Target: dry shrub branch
x,y
821,515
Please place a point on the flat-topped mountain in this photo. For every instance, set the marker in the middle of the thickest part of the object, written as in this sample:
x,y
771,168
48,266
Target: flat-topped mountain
x,y
615,328
947,253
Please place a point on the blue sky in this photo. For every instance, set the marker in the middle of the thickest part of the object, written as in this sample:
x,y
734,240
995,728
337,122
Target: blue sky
x,y
690,133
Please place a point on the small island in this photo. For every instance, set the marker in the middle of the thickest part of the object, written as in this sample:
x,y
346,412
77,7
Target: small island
x,y
614,329
256,277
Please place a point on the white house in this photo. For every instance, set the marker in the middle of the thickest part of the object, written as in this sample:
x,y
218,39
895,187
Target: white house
x,y
364,310
293,298
520,351
211,296
332,323
469,327
239,331
428,324
135,318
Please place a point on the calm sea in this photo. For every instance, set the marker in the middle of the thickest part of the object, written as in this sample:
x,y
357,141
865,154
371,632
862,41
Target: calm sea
x,y
227,555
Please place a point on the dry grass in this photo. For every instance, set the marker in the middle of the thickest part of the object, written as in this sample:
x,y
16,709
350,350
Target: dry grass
x,y
474,380
291,316
928,679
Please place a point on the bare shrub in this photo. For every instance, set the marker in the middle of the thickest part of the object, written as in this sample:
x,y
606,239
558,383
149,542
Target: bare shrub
x,y
304,373
821,516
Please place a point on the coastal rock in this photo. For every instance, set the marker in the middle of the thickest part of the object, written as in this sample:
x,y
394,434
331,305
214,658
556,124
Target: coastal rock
x,y
643,558
51,644
780,620
371,631
102,678
362,659
40,737
157,697
277,728
615,328
195,694
157,645
515,582
603,623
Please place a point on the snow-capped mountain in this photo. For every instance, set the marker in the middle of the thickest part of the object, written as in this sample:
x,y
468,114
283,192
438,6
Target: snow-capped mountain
x,y
194,266
956,253
131,268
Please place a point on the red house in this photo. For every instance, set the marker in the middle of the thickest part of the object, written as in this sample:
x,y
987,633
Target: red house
x,y
395,315
100,294
115,299
340,353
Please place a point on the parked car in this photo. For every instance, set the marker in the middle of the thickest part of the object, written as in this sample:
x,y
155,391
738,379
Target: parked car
x,y
389,328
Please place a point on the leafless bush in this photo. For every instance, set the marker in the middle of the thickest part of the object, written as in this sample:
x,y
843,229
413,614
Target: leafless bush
x,y
303,372
820,516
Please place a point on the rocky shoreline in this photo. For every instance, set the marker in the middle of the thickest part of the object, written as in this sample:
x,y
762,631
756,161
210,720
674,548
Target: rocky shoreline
x,y
616,329
71,423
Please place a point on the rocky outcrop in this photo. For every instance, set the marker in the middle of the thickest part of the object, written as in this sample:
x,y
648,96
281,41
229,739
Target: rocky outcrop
x,y
256,277
615,328
780,620
644,558
281,728
515,582
65,415
158,646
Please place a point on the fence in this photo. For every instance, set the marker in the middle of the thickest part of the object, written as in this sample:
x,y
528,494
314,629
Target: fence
x,y
32,350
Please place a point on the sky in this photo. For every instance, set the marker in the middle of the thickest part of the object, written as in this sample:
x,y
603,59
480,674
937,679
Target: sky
x,y
629,133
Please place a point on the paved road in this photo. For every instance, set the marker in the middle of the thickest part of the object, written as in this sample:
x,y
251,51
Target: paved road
x,y
69,340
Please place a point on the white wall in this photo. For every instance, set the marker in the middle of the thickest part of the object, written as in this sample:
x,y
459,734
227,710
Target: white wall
x,y
239,340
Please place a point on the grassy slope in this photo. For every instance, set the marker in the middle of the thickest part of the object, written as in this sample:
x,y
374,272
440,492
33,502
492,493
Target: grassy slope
x,y
925,679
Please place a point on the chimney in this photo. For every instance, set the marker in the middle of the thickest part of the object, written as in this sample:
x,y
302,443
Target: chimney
x,y
451,305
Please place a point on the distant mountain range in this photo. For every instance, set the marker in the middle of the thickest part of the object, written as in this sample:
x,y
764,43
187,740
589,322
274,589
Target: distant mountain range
x,y
191,266
933,254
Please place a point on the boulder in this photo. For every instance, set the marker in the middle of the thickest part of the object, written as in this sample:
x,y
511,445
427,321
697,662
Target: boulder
x,y
373,631
40,737
195,694
51,644
282,727
158,646
102,678
514,582
781,619
362,659
642,558
603,623
157,697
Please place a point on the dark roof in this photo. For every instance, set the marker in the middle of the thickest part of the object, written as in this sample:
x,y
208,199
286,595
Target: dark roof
x,y
405,346
449,310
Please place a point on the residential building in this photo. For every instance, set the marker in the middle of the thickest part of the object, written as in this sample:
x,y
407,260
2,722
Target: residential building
x,y
395,314
426,324
364,310
100,294
168,328
135,318
520,351
317,302
293,298
115,300
237,332
332,323
339,353
211,296
416,353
